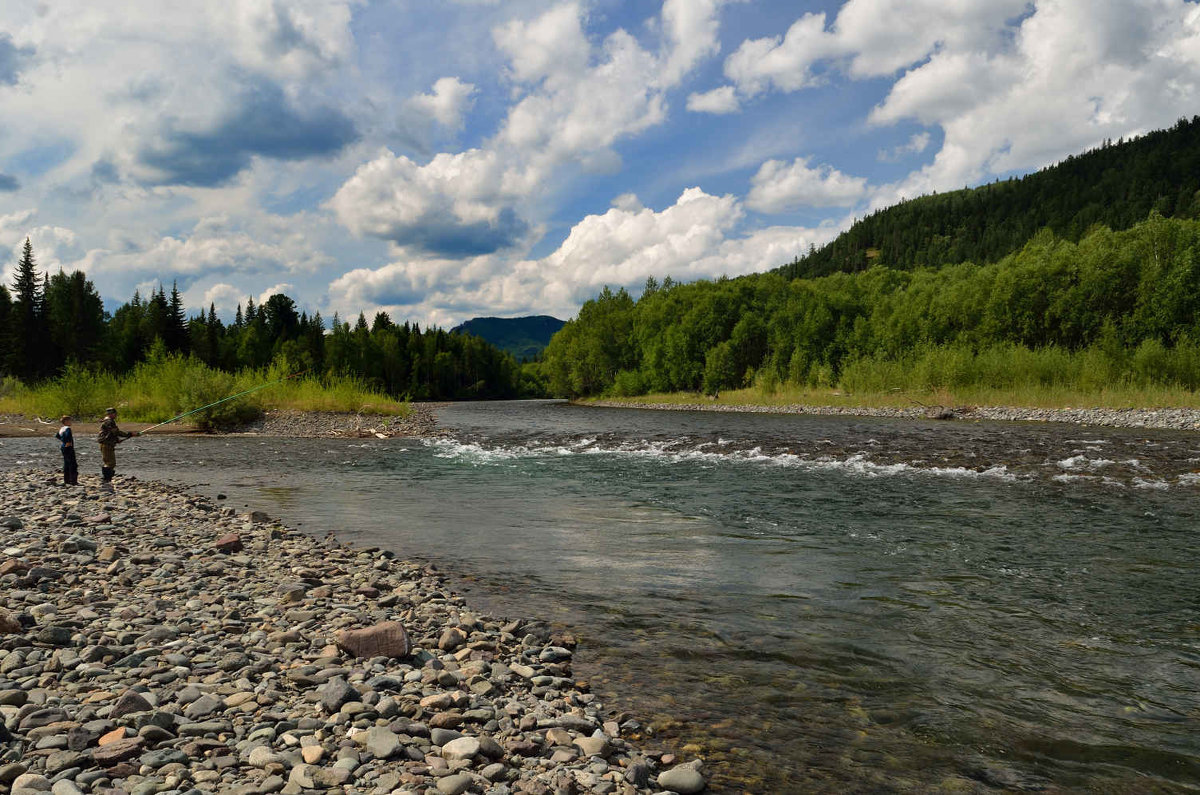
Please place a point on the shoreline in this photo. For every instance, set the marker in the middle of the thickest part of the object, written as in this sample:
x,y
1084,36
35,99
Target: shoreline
x,y
286,423
155,640
1163,419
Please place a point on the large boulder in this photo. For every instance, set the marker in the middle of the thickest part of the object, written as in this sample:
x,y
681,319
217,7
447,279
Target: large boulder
x,y
388,639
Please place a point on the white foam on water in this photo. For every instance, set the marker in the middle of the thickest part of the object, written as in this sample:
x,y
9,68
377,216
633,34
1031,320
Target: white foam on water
x,y
857,464
1085,463
1065,478
1156,485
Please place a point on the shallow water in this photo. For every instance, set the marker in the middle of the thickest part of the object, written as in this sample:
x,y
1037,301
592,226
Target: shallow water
x,y
815,604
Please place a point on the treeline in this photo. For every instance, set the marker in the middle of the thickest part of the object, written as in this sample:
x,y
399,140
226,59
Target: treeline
x,y
50,320
1115,185
1129,297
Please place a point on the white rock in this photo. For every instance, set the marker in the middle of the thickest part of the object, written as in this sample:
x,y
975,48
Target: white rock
x,y
683,779
462,748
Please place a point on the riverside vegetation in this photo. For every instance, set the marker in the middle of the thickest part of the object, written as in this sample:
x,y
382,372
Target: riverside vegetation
x,y
155,642
61,353
1092,309
166,385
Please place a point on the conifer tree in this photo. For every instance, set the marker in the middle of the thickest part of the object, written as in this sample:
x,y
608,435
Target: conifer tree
x,y
177,324
26,349
74,317
5,324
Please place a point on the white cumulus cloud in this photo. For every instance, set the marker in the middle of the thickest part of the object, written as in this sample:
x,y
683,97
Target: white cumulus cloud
x,y
573,101
696,237
719,101
781,187
450,99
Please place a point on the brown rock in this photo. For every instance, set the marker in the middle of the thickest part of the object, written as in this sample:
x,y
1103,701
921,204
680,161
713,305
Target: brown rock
x,y
108,554
130,701
451,639
117,752
446,720
229,543
558,736
13,566
523,748
9,625
123,770
113,736
388,639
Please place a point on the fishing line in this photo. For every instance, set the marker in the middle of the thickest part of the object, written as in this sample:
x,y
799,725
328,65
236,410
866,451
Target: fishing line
x,y
222,400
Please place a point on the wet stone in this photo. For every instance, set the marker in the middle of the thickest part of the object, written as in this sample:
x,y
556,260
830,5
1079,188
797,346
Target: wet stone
x,y
684,779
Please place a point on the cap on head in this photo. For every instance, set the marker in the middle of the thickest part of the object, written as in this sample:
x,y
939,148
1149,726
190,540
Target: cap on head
x,y
110,410
66,418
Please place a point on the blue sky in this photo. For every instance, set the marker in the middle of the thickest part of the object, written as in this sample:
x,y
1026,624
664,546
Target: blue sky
x,y
507,157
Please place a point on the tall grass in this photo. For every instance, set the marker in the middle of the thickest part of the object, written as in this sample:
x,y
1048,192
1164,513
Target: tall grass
x,y
166,386
1150,376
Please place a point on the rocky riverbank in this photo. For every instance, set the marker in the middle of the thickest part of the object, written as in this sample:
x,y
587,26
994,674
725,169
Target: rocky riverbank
x,y
1174,419
156,642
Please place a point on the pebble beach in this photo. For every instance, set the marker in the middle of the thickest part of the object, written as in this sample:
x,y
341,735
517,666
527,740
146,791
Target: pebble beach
x,y
153,641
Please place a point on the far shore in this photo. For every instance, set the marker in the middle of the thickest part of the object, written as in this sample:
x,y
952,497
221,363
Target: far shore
x,y
1163,418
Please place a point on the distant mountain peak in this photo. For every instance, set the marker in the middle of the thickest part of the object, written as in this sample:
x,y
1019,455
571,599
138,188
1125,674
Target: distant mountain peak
x,y
523,337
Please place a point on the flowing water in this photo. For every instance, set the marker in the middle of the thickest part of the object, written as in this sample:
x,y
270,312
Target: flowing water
x,y
813,604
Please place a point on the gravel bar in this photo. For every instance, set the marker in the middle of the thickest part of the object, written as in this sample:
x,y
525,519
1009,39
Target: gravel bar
x,y
421,421
1173,419
152,641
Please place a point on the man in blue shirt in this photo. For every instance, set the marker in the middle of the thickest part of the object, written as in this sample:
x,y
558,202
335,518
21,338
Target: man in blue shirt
x,y
70,465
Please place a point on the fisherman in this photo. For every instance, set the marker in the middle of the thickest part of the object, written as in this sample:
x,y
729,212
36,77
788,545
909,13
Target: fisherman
x,y
110,436
67,442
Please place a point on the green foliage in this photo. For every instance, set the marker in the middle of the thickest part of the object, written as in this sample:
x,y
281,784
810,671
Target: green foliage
x,y
1113,308
169,384
1116,185
60,320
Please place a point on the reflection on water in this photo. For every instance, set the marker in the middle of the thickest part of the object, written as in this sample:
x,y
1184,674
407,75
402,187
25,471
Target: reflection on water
x,y
817,604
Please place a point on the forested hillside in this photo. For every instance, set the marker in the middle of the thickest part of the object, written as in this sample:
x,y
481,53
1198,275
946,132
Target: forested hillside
x,y
1113,307
1116,185
523,337
49,320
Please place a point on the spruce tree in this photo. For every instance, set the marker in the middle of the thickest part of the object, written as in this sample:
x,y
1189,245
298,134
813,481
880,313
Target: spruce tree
x,y
5,324
74,315
177,323
26,348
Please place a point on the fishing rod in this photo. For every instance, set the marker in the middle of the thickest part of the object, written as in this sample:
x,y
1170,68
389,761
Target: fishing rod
x,y
222,400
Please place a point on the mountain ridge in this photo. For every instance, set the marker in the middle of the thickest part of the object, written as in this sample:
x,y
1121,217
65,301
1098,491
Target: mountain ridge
x,y
523,337
1115,185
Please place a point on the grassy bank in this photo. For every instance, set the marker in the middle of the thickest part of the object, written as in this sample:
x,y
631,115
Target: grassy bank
x,y
1150,376
1045,398
164,387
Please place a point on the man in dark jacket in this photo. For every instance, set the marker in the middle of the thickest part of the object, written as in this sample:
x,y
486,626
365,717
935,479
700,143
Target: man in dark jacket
x,y
110,436
67,445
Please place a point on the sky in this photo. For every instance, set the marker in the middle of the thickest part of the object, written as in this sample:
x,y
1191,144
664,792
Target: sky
x,y
446,160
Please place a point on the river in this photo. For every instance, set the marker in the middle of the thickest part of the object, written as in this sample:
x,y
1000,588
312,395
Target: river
x,y
812,604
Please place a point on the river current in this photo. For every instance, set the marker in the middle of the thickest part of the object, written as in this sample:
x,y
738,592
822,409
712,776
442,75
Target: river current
x,y
812,604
